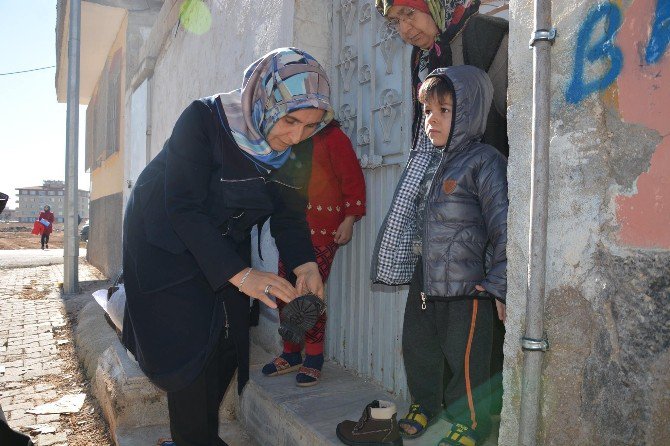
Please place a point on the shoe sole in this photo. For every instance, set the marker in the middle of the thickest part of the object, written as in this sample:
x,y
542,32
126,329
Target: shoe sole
x,y
285,371
397,442
302,313
309,384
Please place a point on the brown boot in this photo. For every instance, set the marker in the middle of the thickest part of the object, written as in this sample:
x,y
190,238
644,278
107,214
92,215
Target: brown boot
x,y
377,427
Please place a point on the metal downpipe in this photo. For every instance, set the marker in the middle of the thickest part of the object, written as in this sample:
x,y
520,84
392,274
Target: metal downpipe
x,y
71,251
533,342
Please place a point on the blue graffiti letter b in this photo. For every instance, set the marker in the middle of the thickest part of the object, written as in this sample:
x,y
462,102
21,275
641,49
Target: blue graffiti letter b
x,y
601,49
660,33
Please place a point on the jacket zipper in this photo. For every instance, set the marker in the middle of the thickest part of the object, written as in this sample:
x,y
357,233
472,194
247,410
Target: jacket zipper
x,y
225,313
438,172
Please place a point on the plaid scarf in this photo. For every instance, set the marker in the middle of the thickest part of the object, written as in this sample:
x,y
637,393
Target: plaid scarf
x,y
281,82
393,257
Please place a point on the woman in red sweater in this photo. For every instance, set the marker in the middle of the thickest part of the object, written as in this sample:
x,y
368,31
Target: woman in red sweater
x,y
46,216
336,200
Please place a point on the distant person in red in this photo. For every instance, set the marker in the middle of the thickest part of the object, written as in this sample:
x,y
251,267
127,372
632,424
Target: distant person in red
x,y
335,201
46,216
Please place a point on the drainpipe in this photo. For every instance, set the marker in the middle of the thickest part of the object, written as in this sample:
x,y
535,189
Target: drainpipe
x,y
534,342
71,251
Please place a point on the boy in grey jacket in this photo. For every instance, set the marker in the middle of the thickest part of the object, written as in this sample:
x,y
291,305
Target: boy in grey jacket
x,y
446,235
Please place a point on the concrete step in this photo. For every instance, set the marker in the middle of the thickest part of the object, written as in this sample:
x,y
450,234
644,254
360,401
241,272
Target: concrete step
x,y
275,411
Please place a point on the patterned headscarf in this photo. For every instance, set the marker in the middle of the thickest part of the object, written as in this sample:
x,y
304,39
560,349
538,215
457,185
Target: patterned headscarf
x,y
281,82
445,13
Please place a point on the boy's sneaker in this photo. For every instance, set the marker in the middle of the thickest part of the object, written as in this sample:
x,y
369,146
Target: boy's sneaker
x,y
377,426
459,435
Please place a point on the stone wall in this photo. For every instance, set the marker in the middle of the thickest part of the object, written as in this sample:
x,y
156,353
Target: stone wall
x,y
607,318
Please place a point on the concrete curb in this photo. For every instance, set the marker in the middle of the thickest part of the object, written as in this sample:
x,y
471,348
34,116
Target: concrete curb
x,y
134,408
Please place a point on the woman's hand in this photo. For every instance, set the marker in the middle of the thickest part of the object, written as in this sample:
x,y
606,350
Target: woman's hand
x,y
309,279
345,230
256,282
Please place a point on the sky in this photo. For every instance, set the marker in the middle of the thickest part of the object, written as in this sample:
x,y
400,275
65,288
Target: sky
x,y
32,122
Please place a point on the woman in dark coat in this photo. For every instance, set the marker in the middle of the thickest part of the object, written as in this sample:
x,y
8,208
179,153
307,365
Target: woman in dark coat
x,y
46,218
227,166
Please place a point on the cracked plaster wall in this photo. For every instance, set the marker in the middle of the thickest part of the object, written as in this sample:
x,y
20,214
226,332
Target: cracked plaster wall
x,y
607,319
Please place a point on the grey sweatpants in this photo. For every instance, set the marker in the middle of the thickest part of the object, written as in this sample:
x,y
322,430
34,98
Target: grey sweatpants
x,y
455,334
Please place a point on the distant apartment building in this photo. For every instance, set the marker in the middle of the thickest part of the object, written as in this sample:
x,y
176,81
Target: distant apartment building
x,y
8,215
52,192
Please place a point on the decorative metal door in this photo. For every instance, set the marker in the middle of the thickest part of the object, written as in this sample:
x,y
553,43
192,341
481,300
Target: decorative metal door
x,y
372,99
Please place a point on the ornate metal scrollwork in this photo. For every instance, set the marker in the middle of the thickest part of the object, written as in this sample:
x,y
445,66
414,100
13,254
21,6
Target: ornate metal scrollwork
x,y
347,66
364,74
366,13
389,101
371,161
387,45
347,118
363,136
348,14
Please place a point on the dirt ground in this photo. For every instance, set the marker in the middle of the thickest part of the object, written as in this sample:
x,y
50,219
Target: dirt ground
x,y
17,236
87,427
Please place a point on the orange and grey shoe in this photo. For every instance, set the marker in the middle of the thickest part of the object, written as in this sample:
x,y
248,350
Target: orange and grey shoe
x,y
283,364
310,372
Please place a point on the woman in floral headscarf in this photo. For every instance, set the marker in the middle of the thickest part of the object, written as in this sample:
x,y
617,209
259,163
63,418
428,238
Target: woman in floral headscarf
x,y
445,33
452,32
231,162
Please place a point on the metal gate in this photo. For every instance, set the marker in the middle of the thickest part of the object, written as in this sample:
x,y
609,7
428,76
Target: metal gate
x,y
372,99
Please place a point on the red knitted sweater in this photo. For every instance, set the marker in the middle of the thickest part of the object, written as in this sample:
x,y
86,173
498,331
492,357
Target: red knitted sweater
x,y
336,187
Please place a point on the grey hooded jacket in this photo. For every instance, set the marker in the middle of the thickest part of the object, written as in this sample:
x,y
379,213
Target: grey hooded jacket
x,y
465,238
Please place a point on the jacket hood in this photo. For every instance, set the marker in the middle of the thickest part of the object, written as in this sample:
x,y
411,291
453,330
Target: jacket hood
x,y
473,95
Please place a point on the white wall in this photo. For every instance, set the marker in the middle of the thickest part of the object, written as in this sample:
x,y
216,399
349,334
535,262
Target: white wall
x,y
136,156
191,66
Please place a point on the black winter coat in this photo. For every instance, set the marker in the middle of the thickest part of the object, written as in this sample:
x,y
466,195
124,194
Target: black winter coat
x,y
186,233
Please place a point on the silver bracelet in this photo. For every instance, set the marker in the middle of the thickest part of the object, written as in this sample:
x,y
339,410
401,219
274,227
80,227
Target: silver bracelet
x,y
244,277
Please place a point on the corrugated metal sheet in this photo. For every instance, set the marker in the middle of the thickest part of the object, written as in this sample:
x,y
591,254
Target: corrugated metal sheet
x,y
372,100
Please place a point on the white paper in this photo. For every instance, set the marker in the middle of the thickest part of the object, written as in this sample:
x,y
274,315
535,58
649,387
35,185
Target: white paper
x,y
100,297
67,404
